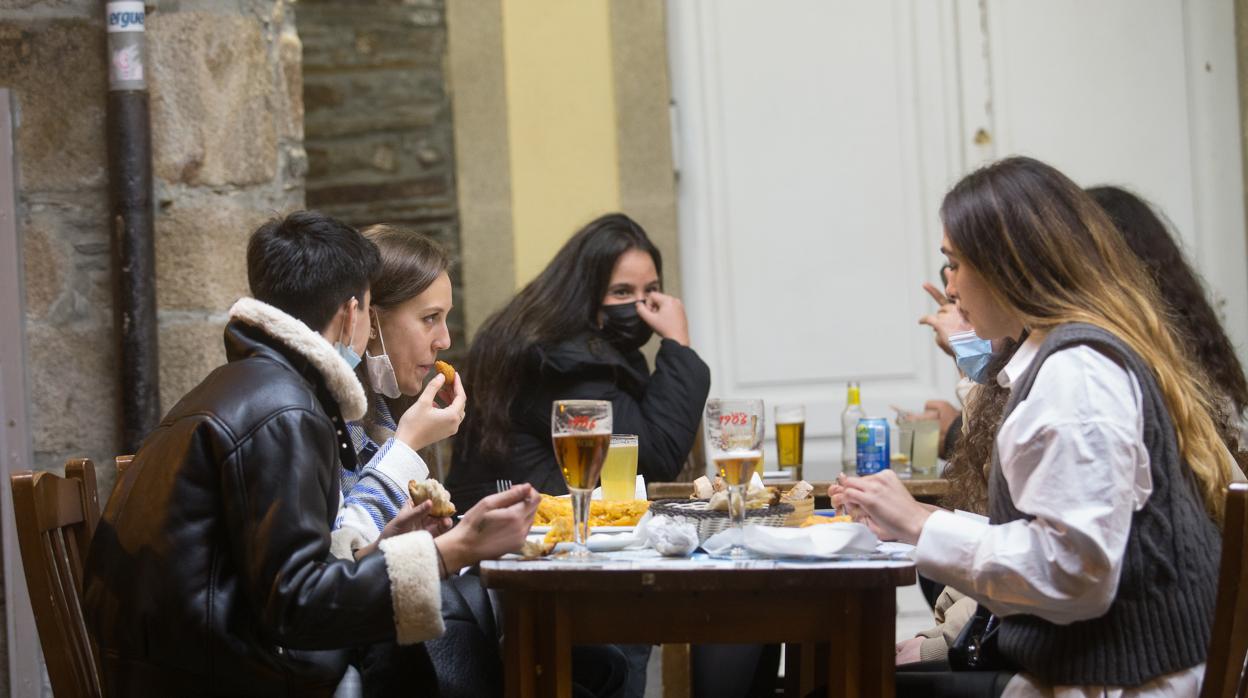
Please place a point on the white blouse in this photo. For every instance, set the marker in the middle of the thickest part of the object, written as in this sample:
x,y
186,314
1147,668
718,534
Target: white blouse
x,y
1073,456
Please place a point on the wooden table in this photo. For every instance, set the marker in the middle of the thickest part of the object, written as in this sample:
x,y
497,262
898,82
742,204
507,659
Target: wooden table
x,y
837,618
923,489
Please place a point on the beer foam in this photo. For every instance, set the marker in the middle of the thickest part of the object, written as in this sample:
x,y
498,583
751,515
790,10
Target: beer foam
x,y
726,455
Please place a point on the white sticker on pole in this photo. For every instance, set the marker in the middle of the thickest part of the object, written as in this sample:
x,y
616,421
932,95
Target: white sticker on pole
x,y
125,16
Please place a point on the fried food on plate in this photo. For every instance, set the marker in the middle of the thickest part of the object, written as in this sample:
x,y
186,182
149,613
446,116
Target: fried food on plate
x,y
601,513
815,520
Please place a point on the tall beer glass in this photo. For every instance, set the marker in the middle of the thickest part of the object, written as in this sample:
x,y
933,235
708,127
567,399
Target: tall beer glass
x,y
734,433
581,432
790,437
619,473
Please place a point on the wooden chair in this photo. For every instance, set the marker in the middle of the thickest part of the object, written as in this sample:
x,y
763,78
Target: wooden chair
x,y
1224,668
56,518
123,462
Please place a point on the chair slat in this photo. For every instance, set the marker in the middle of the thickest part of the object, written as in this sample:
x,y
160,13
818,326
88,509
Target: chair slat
x,y
56,519
1228,648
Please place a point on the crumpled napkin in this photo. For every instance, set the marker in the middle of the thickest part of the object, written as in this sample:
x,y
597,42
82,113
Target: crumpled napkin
x,y
672,537
607,542
822,541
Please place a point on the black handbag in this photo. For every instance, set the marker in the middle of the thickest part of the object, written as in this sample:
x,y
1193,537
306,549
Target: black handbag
x,y
975,648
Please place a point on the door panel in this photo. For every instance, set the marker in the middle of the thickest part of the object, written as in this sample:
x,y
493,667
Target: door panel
x,y
817,138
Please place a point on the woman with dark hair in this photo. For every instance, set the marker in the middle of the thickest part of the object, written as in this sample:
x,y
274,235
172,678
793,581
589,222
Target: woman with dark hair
x,y
1100,556
575,332
1149,238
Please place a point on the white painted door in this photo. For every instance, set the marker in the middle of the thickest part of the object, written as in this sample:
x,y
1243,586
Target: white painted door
x,y
815,140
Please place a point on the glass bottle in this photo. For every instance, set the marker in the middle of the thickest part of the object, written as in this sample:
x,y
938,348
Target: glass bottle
x,y
849,429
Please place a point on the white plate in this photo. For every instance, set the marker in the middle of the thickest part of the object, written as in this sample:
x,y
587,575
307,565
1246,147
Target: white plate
x,y
592,530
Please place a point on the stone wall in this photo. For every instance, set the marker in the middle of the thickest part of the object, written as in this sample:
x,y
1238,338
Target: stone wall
x,y
227,136
378,123
227,131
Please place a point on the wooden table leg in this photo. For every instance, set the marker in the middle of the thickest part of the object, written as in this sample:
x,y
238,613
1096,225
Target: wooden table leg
x,y
879,643
554,632
805,665
676,682
862,655
519,638
844,657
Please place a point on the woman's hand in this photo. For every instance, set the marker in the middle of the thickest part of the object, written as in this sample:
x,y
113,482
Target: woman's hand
x,y
665,315
497,525
425,423
946,320
908,651
885,504
410,518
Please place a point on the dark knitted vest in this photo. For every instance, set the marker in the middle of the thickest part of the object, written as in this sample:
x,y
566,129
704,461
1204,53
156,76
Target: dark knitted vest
x,y
1160,620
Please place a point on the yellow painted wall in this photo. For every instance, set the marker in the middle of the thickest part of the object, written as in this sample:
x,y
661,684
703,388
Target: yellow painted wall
x,y
561,123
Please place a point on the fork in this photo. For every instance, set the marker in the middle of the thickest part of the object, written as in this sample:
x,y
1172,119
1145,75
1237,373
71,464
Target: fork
x,y
502,485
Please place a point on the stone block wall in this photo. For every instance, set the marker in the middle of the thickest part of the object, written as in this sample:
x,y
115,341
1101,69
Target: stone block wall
x,y
378,120
226,104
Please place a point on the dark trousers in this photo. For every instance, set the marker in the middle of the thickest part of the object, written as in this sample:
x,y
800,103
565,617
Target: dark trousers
x,y
936,680
388,669
734,671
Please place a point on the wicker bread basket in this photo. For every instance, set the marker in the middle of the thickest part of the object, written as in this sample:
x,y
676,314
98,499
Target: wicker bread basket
x,y
802,509
711,522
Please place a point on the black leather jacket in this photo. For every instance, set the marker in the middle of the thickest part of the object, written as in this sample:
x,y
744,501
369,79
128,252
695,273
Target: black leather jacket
x,y
210,572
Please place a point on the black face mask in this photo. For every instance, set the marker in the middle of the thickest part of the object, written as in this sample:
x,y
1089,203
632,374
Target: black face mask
x,y
624,328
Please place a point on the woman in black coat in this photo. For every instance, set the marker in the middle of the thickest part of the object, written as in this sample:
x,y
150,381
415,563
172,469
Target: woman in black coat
x,y
575,332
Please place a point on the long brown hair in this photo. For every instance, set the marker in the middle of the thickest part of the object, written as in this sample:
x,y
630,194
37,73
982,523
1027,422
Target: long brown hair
x,y
410,263
561,303
1149,237
971,458
1047,251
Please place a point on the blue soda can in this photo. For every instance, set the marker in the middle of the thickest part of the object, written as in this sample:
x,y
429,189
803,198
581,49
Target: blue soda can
x,y
873,446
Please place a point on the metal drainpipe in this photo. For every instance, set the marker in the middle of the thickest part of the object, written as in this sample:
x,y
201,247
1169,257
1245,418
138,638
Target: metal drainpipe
x,y
131,217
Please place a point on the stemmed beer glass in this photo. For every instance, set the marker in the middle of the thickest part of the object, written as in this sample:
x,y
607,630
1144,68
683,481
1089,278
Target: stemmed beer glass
x,y
581,432
734,433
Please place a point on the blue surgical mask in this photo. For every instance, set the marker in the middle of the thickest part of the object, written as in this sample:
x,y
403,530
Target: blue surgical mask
x,y
973,355
345,351
348,354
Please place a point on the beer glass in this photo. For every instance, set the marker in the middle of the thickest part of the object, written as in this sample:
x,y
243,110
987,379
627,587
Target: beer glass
x,y
790,437
581,432
734,434
619,473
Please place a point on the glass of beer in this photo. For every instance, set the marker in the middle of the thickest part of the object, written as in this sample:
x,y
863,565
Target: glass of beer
x,y
619,474
790,437
581,432
734,434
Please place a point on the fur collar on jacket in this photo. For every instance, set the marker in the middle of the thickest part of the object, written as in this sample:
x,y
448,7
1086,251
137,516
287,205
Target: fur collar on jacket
x,y
292,332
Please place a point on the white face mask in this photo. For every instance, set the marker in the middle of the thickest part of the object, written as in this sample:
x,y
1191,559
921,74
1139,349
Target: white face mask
x,y
380,371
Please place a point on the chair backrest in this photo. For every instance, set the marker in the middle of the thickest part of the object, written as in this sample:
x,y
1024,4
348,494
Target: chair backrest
x,y
123,462
695,462
56,518
1228,649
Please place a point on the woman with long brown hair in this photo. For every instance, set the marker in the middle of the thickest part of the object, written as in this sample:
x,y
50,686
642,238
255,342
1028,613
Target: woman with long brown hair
x,y
576,332
1204,339
1107,482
